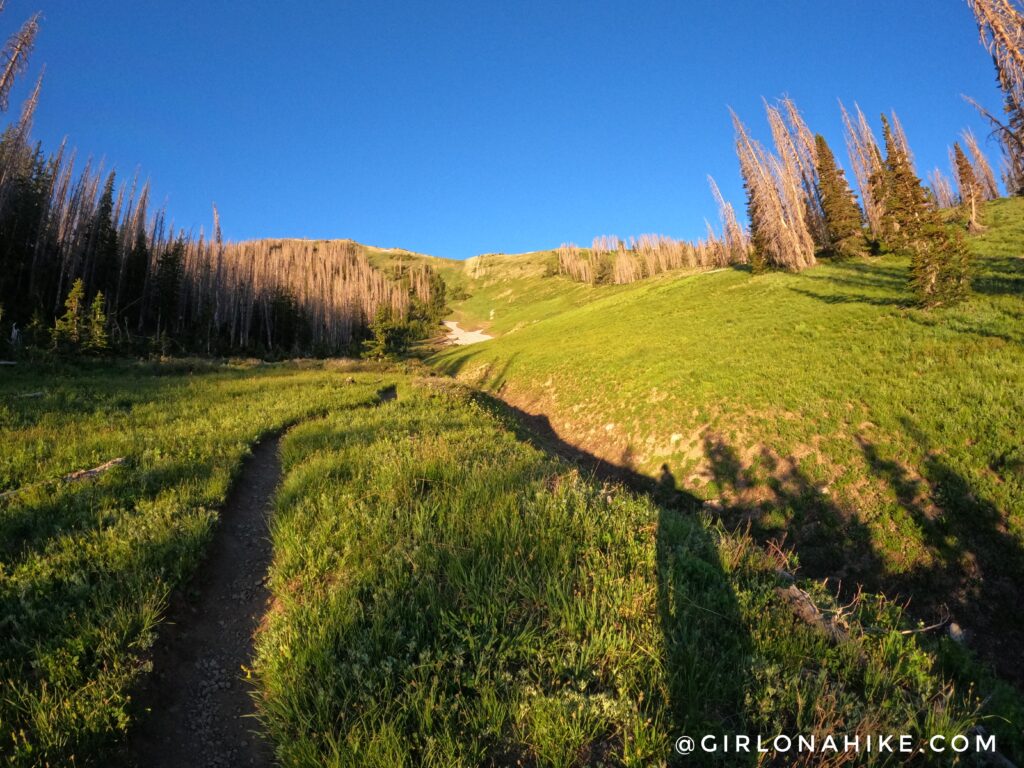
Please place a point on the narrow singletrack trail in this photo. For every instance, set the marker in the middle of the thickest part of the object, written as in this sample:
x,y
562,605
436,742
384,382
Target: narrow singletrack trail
x,y
201,711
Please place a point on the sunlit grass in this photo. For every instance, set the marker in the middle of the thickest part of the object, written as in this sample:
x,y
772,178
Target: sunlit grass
x,y
86,568
445,595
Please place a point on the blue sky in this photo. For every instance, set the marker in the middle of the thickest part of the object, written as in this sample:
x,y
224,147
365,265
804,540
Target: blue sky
x,y
457,128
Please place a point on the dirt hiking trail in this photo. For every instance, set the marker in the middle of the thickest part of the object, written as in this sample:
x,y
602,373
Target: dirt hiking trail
x,y
202,714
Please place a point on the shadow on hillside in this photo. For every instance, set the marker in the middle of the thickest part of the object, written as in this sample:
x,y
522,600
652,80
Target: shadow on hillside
x,y
796,513
537,430
454,365
1010,330
1002,275
707,647
977,567
697,607
850,279
976,572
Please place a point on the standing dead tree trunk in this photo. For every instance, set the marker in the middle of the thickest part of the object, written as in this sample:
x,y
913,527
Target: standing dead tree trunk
x,y
866,161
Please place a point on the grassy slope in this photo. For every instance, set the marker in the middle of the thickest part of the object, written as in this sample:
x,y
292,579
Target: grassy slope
x,y
446,595
884,441
85,568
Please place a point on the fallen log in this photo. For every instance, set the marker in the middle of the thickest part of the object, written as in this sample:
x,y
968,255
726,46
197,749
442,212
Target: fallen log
x,y
72,477
805,609
86,474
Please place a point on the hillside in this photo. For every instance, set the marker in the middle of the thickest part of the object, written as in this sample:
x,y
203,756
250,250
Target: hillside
x,y
879,441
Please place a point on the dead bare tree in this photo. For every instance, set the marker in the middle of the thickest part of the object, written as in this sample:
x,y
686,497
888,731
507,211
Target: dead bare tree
x,y
866,162
737,243
942,188
982,168
780,237
15,57
1001,29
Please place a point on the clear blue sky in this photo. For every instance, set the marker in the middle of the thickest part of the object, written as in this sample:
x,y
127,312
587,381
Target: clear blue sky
x,y
456,128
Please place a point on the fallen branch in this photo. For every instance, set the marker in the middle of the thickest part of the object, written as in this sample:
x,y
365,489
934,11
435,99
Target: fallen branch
x,y
73,477
803,606
937,625
86,474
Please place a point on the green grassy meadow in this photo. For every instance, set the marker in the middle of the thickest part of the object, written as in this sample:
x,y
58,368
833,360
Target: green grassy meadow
x,y
882,443
447,595
86,568
447,591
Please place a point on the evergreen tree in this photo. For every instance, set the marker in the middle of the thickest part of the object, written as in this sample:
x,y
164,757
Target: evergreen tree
x,y
96,341
70,330
105,261
970,189
938,257
758,238
133,282
169,273
390,335
844,226
940,265
900,193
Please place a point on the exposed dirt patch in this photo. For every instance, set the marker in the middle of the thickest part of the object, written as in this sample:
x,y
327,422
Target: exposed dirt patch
x,y
200,707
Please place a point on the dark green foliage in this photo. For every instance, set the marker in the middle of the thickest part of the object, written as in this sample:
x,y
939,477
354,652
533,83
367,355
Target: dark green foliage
x,y
97,341
901,195
284,326
133,283
939,265
844,222
70,329
391,335
913,227
22,203
169,272
103,276
758,244
965,174
83,326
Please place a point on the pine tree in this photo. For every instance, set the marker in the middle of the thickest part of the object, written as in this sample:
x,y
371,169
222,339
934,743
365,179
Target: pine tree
x,y
69,331
96,341
843,219
939,262
133,282
970,189
902,197
169,272
105,259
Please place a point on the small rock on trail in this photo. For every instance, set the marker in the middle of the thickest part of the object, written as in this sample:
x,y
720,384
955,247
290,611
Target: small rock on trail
x,y
201,712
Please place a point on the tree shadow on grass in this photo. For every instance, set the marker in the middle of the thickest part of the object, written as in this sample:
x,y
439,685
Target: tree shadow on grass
x,y
854,281
791,510
976,572
1000,276
707,648
977,566
1011,330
